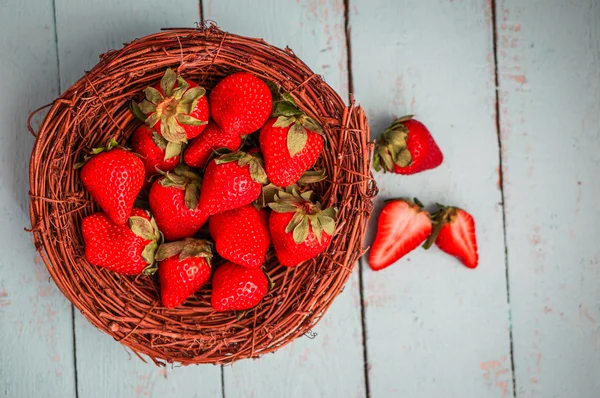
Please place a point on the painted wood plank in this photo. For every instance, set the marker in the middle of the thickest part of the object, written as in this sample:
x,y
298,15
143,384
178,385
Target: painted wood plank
x,y
36,341
550,117
433,326
85,30
331,365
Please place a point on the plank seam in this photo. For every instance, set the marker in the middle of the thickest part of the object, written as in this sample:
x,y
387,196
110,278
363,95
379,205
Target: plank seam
x,y
363,323
59,84
222,382
501,183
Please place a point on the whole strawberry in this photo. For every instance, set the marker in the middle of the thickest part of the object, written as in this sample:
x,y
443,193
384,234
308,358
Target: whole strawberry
x,y
241,235
290,143
114,177
407,147
403,225
237,288
183,268
173,200
176,107
231,181
126,249
240,103
200,149
300,230
151,147
454,233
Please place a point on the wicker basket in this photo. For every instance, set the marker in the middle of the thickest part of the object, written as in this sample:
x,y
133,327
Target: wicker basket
x,y
128,308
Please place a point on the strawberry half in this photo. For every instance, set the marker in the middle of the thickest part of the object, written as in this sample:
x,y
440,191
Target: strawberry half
x,y
114,177
300,230
403,225
454,233
183,268
237,288
173,200
200,149
241,235
407,147
126,249
177,108
240,103
231,181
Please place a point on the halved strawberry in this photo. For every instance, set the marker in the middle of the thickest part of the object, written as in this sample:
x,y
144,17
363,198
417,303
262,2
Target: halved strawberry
x,y
403,225
454,233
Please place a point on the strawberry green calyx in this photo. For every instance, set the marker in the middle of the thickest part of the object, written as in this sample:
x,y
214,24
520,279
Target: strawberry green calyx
x,y
186,248
307,215
287,113
445,215
312,176
172,107
111,144
253,160
391,147
148,230
185,179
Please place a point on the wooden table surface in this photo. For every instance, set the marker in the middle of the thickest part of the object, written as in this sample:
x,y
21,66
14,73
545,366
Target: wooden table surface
x,y
510,90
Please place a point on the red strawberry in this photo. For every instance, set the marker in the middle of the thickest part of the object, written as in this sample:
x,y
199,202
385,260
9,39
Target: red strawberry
x,y
241,235
454,233
151,146
403,225
114,177
300,230
240,103
174,202
407,147
231,181
237,288
183,268
177,108
127,249
289,148
200,149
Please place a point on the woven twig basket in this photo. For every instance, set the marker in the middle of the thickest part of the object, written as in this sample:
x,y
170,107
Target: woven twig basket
x,y
128,308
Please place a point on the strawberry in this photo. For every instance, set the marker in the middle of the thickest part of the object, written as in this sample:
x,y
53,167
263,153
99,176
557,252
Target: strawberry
x,y
403,225
237,288
454,233
241,235
173,200
114,177
126,249
151,146
176,107
300,230
240,103
231,181
183,268
407,147
291,142
200,149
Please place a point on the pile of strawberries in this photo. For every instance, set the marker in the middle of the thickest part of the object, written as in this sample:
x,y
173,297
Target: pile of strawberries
x,y
197,160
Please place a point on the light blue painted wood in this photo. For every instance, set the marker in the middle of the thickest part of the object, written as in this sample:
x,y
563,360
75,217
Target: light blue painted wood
x,y
36,342
331,365
434,327
549,61
85,30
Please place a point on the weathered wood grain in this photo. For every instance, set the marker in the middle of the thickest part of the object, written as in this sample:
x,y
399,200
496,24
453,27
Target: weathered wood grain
x,y
36,341
85,30
549,62
331,365
433,326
